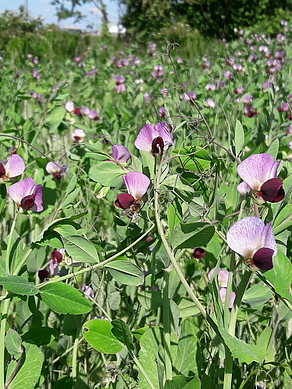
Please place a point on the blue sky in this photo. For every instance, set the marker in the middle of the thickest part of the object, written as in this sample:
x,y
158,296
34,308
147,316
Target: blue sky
x,y
47,11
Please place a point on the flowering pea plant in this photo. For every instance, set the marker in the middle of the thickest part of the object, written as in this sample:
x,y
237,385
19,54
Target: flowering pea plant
x,y
147,250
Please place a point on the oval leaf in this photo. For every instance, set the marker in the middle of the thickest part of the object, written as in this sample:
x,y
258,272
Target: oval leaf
x,y
125,272
13,343
107,173
18,285
80,249
30,371
192,235
63,298
98,333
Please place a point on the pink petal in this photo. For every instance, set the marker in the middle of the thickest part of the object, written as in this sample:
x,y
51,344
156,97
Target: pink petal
x,y
52,167
120,153
21,189
137,184
165,134
145,137
14,166
257,169
69,106
243,188
38,200
232,296
250,234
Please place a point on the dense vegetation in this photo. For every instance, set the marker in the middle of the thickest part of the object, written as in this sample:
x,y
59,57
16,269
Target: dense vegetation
x,y
145,200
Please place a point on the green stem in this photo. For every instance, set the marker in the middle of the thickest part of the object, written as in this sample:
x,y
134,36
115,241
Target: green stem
x,y
166,326
74,358
172,257
100,264
231,328
5,308
19,266
9,243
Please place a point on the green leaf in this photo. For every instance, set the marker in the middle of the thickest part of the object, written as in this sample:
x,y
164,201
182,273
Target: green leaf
x,y
63,298
49,230
182,382
13,343
192,235
239,137
122,333
176,182
114,300
29,373
125,272
185,362
54,118
40,335
98,333
18,285
246,353
107,173
283,219
274,148
3,272
281,275
72,184
257,295
149,357
80,249
70,197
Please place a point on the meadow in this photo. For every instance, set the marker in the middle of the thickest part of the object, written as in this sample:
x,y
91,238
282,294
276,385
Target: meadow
x,y
146,215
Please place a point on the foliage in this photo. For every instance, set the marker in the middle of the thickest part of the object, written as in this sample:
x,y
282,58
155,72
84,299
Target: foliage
x,y
98,296
213,18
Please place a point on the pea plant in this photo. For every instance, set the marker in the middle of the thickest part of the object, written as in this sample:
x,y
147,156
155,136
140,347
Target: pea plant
x,y
146,236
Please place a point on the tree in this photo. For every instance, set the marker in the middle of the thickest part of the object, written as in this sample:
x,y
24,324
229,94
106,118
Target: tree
x,y
213,18
67,9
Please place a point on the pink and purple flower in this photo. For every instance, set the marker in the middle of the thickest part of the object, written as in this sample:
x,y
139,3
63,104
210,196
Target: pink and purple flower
x,y
254,241
120,153
259,173
154,139
13,167
137,184
27,195
56,169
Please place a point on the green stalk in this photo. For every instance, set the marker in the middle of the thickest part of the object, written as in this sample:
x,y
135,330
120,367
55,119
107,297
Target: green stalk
x,y
100,264
5,307
231,328
4,312
74,358
9,243
166,326
172,257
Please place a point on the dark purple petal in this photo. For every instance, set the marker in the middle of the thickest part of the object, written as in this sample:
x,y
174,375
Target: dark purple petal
x,y
27,202
272,190
199,253
157,145
124,201
262,259
43,274
2,171
56,256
